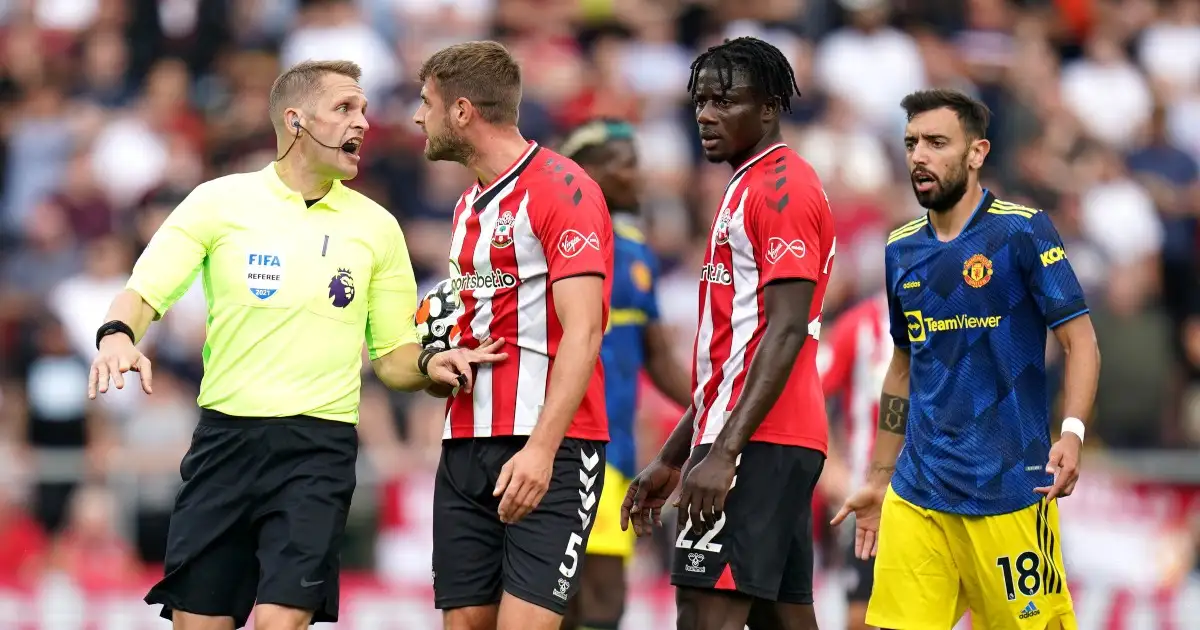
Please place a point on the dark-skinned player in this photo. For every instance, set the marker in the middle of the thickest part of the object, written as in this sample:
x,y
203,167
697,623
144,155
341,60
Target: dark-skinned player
x,y
754,438
635,341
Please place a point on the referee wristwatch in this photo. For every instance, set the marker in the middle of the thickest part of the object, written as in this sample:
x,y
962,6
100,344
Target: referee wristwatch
x,y
112,328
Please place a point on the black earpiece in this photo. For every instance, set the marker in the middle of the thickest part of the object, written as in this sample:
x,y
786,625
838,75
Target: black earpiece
x,y
296,124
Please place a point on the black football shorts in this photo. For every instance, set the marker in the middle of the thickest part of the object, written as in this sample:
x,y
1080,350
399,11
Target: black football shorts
x,y
260,517
539,559
762,544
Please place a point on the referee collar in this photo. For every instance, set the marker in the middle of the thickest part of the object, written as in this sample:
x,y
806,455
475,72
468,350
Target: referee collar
x,y
282,191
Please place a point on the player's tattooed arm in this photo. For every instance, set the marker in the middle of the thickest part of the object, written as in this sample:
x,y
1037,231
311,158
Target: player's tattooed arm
x,y
893,413
893,419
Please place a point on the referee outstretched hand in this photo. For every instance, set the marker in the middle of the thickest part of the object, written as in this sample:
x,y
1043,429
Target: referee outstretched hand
x,y
454,367
117,356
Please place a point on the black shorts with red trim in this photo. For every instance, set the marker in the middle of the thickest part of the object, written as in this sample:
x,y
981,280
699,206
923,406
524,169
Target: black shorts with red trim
x,y
762,544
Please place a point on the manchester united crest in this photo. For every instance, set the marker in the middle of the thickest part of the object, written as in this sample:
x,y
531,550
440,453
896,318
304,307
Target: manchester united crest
x,y
502,235
722,228
977,271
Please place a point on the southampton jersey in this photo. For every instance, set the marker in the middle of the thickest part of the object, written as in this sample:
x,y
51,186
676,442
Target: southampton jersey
x,y
774,224
633,306
973,313
540,221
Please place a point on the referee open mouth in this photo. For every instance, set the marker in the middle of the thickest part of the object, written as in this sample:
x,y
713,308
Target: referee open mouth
x,y
351,146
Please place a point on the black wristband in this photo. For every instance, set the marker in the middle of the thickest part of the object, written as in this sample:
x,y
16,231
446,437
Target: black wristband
x,y
423,361
113,327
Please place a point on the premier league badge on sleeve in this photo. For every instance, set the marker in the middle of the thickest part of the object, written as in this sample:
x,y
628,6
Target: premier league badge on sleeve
x,y
264,274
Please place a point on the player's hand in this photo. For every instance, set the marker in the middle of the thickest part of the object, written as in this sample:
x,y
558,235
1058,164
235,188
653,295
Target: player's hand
x,y
1064,465
523,482
455,367
117,356
867,505
704,489
646,496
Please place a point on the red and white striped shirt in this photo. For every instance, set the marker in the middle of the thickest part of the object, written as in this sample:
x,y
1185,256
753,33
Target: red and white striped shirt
x,y
852,362
542,220
774,224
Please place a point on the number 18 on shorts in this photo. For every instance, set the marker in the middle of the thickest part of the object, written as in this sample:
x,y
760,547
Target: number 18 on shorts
x,y
1006,568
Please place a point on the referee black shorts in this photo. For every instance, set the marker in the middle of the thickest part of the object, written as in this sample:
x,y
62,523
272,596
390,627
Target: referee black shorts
x,y
259,518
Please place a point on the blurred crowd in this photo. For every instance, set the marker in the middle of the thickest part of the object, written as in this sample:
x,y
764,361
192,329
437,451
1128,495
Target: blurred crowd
x,y
115,109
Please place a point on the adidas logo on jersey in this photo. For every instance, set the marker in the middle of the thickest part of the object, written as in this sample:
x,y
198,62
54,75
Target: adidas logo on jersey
x,y
1029,611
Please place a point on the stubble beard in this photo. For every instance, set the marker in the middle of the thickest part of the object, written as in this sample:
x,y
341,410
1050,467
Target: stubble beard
x,y
449,147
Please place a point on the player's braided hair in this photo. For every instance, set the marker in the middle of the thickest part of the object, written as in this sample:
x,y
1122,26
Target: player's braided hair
x,y
768,68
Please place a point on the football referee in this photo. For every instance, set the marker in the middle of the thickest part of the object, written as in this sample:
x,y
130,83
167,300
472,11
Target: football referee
x,y
297,271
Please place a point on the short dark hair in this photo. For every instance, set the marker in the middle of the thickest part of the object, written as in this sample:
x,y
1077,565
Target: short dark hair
x,y
482,72
301,84
972,113
767,67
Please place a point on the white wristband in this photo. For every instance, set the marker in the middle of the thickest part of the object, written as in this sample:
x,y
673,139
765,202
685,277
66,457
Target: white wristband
x,y
1073,425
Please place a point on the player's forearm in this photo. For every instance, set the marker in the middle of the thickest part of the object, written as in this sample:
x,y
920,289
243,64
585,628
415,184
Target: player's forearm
x,y
129,307
768,375
893,420
578,352
398,369
1082,372
670,377
675,450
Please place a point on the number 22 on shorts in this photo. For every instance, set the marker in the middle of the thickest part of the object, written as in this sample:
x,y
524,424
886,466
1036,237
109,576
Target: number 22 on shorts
x,y
705,542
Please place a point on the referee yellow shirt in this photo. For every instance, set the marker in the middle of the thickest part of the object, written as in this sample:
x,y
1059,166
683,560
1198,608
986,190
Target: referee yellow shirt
x,y
292,292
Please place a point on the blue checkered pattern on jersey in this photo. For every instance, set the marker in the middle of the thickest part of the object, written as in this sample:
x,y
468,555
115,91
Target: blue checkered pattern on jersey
x,y
973,313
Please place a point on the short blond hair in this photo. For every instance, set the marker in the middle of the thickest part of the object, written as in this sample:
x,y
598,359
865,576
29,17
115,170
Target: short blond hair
x,y
301,84
482,72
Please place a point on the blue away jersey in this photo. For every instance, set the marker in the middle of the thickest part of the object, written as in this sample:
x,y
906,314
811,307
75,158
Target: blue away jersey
x,y
973,313
635,270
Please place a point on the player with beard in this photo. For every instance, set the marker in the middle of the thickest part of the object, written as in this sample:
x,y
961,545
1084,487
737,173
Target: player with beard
x,y
635,341
523,454
755,436
960,508
299,271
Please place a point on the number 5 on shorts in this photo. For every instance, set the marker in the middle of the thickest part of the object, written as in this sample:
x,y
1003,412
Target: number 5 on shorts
x,y
1028,578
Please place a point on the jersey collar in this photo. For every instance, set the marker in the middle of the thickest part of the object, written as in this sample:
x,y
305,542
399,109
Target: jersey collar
x,y
741,170
985,202
484,194
282,191
513,169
